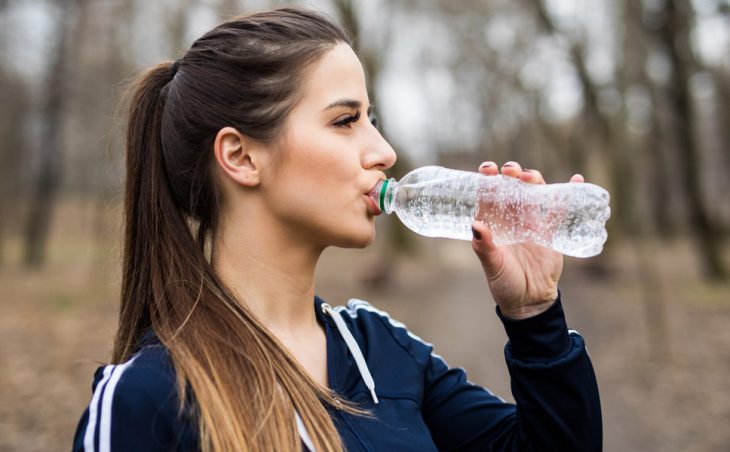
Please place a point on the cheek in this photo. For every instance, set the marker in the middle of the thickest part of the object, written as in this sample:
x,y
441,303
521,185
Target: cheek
x,y
323,165
316,187
310,189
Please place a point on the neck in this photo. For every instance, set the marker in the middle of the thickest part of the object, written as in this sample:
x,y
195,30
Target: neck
x,y
269,271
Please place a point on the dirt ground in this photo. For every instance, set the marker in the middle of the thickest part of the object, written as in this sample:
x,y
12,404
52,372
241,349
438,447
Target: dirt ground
x,y
658,336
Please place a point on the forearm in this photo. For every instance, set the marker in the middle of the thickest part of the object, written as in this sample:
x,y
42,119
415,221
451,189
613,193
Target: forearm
x,y
553,384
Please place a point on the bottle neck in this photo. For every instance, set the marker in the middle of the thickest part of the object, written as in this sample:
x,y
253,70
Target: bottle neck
x,y
384,194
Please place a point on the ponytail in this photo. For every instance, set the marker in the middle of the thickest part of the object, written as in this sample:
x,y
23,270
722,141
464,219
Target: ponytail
x,y
142,199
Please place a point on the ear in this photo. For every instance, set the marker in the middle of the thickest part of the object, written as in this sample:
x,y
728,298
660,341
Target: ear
x,y
239,157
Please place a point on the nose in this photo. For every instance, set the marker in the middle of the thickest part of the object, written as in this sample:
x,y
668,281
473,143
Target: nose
x,y
379,153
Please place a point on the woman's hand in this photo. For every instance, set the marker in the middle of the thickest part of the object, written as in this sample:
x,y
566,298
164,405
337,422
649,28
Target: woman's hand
x,y
523,278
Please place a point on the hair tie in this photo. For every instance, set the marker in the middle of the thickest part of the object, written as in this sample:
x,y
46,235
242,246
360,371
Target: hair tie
x,y
174,68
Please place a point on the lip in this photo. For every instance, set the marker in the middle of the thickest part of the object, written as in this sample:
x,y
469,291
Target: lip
x,y
373,208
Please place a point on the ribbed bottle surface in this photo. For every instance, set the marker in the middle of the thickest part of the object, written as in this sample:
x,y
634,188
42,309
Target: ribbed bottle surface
x,y
440,202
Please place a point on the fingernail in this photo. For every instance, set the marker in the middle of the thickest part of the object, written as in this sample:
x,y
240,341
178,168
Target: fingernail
x,y
509,164
526,169
486,165
477,234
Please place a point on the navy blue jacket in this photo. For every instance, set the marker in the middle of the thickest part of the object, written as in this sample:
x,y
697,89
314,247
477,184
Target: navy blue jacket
x,y
424,405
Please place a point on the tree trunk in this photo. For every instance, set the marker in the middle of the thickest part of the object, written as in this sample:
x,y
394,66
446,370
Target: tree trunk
x,y
13,116
722,106
50,148
675,34
661,218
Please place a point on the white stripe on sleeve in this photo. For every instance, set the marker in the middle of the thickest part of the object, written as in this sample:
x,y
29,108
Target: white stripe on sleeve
x,y
93,411
105,423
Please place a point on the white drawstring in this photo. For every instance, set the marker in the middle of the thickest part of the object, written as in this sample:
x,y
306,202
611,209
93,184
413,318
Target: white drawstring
x,y
354,349
303,434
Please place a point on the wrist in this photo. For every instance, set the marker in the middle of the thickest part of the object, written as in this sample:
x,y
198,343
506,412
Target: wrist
x,y
525,312
540,338
530,310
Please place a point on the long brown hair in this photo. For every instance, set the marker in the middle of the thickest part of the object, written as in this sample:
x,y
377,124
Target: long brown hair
x,y
243,384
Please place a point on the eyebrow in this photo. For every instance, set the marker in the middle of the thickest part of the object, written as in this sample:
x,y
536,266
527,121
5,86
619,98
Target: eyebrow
x,y
349,103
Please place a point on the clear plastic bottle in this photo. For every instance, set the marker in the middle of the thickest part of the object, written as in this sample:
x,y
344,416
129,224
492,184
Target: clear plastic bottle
x,y
440,202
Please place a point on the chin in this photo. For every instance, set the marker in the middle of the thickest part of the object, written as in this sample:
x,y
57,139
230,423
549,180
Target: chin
x,y
369,241
361,240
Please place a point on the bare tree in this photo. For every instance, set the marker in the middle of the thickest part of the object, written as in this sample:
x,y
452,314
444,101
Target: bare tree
x,y
674,34
13,114
50,149
104,60
722,107
13,109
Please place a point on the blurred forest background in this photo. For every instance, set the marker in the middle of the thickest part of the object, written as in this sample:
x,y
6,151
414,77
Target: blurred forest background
x,y
633,94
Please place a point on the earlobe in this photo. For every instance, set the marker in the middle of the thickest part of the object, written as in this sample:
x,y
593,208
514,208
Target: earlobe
x,y
234,153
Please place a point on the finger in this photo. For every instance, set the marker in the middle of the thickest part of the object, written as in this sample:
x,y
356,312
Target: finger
x,y
485,249
512,169
577,178
532,176
489,168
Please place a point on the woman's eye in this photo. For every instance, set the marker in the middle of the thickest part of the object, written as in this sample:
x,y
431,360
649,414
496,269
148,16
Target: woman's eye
x,y
348,120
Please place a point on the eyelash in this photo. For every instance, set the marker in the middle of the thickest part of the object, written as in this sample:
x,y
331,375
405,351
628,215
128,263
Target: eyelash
x,y
346,122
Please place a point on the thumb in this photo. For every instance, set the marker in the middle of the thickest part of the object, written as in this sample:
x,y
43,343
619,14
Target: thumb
x,y
488,253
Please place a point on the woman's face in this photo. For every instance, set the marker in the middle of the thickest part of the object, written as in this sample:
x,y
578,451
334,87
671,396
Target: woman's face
x,y
330,157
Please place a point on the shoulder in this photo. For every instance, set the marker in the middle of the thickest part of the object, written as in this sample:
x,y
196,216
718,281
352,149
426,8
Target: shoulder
x,y
134,402
150,370
147,378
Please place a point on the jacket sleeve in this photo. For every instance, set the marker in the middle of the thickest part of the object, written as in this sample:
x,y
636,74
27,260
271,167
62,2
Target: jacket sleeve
x,y
553,383
133,408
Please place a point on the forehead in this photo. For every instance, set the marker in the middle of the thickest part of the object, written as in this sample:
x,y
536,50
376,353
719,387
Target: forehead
x,y
337,75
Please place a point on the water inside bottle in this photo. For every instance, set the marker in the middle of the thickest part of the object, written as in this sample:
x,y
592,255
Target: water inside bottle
x,y
569,218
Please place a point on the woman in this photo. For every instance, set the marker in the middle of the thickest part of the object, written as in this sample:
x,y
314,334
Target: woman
x,y
246,159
